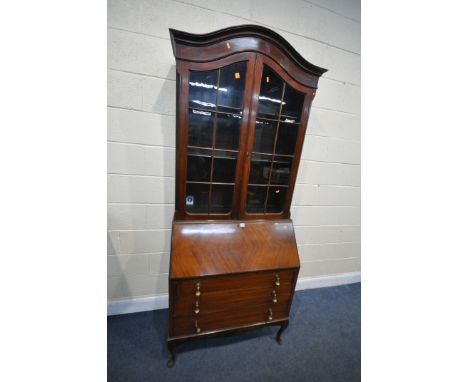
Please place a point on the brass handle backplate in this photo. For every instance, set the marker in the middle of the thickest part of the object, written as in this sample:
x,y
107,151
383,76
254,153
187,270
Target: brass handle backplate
x,y
275,299
197,328
277,280
197,290
197,308
270,314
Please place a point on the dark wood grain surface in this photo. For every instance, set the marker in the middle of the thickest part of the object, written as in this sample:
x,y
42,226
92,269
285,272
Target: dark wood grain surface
x,y
230,299
235,281
229,275
241,38
213,248
229,319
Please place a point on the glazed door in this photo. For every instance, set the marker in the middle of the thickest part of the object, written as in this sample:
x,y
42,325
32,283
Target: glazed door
x,y
213,113
277,124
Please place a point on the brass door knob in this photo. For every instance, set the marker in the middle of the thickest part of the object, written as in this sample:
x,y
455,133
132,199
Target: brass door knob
x,y
197,328
270,314
275,299
197,290
277,281
197,309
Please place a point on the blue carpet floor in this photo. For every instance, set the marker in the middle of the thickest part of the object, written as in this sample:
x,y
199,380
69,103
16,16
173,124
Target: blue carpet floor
x,y
321,344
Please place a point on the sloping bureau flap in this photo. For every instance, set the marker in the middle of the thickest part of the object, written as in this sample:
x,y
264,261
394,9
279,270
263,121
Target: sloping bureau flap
x,y
216,248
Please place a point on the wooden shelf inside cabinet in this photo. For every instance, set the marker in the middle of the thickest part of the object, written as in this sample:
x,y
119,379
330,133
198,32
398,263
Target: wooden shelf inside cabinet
x,y
243,102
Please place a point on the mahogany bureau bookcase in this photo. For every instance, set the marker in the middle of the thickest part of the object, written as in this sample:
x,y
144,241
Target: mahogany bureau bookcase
x,y
243,101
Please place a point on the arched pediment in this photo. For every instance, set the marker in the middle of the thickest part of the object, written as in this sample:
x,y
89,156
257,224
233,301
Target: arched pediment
x,y
245,38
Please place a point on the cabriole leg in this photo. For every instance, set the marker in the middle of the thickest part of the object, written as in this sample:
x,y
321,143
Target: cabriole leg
x,y
284,325
172,359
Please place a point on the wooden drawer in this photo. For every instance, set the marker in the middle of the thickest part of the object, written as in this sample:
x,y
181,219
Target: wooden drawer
x,y
226,299
235,282
228,319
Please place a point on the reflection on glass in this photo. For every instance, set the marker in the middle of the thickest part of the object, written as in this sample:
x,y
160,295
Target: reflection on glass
x,y
198,165
287,119
256,199
287,137
232,86
200,129
281,170
196,199
269,100
224,167
292,103
260,169
276,199
221,199
202,89
227,131
264,138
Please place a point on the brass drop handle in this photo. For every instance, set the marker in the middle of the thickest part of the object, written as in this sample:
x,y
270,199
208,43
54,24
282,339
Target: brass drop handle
x,y
197,328
277,281
197,309
270,314
275,299
197,290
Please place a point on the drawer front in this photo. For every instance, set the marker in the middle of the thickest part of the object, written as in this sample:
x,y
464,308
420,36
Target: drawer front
x,y
207,302
229,319
235,282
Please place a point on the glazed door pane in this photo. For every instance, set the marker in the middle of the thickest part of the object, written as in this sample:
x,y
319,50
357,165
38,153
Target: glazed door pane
x,y
228,128
260,167
221,198
293,102
215,125
256,199
271,93
200,128
224,167
264,139
276,199
215,104
202,89
198,165
232,87
197,196
287,137
274,144
281,170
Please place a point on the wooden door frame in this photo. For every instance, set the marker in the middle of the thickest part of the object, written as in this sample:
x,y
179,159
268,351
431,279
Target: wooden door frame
x,y
309,94
182,115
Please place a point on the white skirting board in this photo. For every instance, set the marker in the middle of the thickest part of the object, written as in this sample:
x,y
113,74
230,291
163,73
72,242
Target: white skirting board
x,y
142,304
